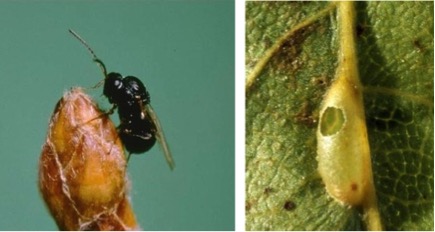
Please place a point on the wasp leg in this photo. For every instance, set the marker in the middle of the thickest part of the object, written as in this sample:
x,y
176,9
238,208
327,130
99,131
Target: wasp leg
x,y
109,112
128,158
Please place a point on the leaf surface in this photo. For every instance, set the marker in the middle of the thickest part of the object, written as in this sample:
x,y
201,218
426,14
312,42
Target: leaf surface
x,y
395,52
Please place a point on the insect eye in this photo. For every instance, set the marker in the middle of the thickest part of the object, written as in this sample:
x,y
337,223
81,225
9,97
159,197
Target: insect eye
x,y
114,80
118,84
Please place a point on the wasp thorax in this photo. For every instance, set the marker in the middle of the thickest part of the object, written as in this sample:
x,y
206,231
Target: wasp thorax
x,y
135,90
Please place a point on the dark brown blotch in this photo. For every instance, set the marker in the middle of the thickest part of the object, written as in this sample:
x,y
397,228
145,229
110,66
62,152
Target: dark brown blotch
x,y
268,190
305,115
417,44
289,205
248,206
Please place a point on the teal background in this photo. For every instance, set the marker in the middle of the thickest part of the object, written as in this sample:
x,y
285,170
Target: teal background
x,y
184,54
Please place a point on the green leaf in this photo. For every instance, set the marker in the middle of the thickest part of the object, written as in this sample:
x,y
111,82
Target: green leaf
x,y
395,51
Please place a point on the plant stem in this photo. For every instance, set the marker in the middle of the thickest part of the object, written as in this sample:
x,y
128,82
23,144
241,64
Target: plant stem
x,y
348,68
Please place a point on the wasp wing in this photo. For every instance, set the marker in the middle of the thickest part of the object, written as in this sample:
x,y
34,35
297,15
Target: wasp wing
x,y
160,136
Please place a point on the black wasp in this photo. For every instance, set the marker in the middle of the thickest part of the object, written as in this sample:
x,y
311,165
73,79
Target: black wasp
x,y
139,127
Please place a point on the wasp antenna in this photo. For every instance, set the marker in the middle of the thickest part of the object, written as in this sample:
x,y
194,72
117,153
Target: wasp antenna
x,y
84,43
102,66
94,56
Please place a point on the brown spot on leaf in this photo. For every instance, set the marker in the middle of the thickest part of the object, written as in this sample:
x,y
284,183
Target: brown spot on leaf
x,y
268,190
248,206
321,81
361,29
287,59
305,115
417,44
289,205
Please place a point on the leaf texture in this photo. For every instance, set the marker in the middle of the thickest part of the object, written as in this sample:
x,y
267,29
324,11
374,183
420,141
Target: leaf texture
x,y
395,52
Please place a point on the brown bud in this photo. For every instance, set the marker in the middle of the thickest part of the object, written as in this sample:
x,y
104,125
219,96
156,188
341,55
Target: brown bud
x,y
82,175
